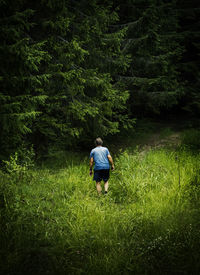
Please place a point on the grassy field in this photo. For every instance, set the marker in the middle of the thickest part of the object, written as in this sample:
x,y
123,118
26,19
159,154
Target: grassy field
x,y
53,222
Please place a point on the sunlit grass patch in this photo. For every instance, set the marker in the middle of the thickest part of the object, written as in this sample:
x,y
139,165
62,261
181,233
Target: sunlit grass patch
x,y
148,219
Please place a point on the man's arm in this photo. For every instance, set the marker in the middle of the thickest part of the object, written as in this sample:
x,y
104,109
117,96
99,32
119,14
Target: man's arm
x,y
111,162
91,164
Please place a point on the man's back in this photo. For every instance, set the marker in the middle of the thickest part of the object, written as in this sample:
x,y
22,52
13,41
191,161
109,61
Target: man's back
x,y
100,156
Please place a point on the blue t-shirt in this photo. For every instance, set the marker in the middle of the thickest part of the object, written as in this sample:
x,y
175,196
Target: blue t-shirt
x,y
100,156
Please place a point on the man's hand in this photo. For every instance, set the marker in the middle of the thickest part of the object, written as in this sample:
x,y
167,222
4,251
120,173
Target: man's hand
x,y
111,162
91,164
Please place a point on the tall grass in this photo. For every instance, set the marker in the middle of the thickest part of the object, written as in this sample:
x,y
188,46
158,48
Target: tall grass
x,y
53,222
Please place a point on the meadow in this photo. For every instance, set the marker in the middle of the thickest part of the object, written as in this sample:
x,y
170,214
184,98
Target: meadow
x,y
53,221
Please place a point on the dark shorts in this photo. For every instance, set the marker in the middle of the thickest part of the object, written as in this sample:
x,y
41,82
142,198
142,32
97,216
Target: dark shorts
x,y
100,175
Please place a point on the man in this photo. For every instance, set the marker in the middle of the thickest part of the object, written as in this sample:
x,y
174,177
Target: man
x,y
101,157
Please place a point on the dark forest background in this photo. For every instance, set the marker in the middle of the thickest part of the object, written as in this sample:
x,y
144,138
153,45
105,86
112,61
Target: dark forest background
x,y
73,70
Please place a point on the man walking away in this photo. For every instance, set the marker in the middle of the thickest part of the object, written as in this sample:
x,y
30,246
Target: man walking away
x,y
102,159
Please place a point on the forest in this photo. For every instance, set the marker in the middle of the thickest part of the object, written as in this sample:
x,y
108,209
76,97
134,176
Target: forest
x,y
127,71
74,70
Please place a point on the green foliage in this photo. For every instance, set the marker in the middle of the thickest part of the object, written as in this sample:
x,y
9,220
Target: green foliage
x,y
16,168
153,43
74,70
59,60
191,138
12,166
21,81
189,14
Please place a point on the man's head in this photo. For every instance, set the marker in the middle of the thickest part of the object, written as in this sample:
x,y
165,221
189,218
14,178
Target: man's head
x,y
98,141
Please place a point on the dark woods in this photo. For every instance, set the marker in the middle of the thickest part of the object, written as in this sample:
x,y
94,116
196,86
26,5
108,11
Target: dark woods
x,y
72,70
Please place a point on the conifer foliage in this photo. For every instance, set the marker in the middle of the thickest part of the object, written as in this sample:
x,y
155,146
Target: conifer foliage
x,y
58,61
21,80
189,31
72,70
153,44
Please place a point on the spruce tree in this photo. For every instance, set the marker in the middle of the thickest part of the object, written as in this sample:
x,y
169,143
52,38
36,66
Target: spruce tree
x,y
189,31
154,46
58,85
21,81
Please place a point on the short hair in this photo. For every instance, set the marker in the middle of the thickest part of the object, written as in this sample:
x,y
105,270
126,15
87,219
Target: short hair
x,y
98,141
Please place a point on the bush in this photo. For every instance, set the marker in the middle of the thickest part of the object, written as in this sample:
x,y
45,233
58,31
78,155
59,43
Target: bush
x,y
191,139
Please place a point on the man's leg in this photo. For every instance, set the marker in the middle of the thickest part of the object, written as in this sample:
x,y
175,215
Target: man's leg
x,y
98,185
106,186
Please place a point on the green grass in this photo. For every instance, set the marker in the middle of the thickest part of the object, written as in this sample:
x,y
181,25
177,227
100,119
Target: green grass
x,y
53,222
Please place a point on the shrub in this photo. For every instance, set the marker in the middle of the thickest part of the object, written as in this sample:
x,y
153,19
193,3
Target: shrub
x,y
191,138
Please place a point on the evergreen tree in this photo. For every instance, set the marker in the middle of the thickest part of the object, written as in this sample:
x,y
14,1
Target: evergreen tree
x,y
189,14
21,82
57,80
154,46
